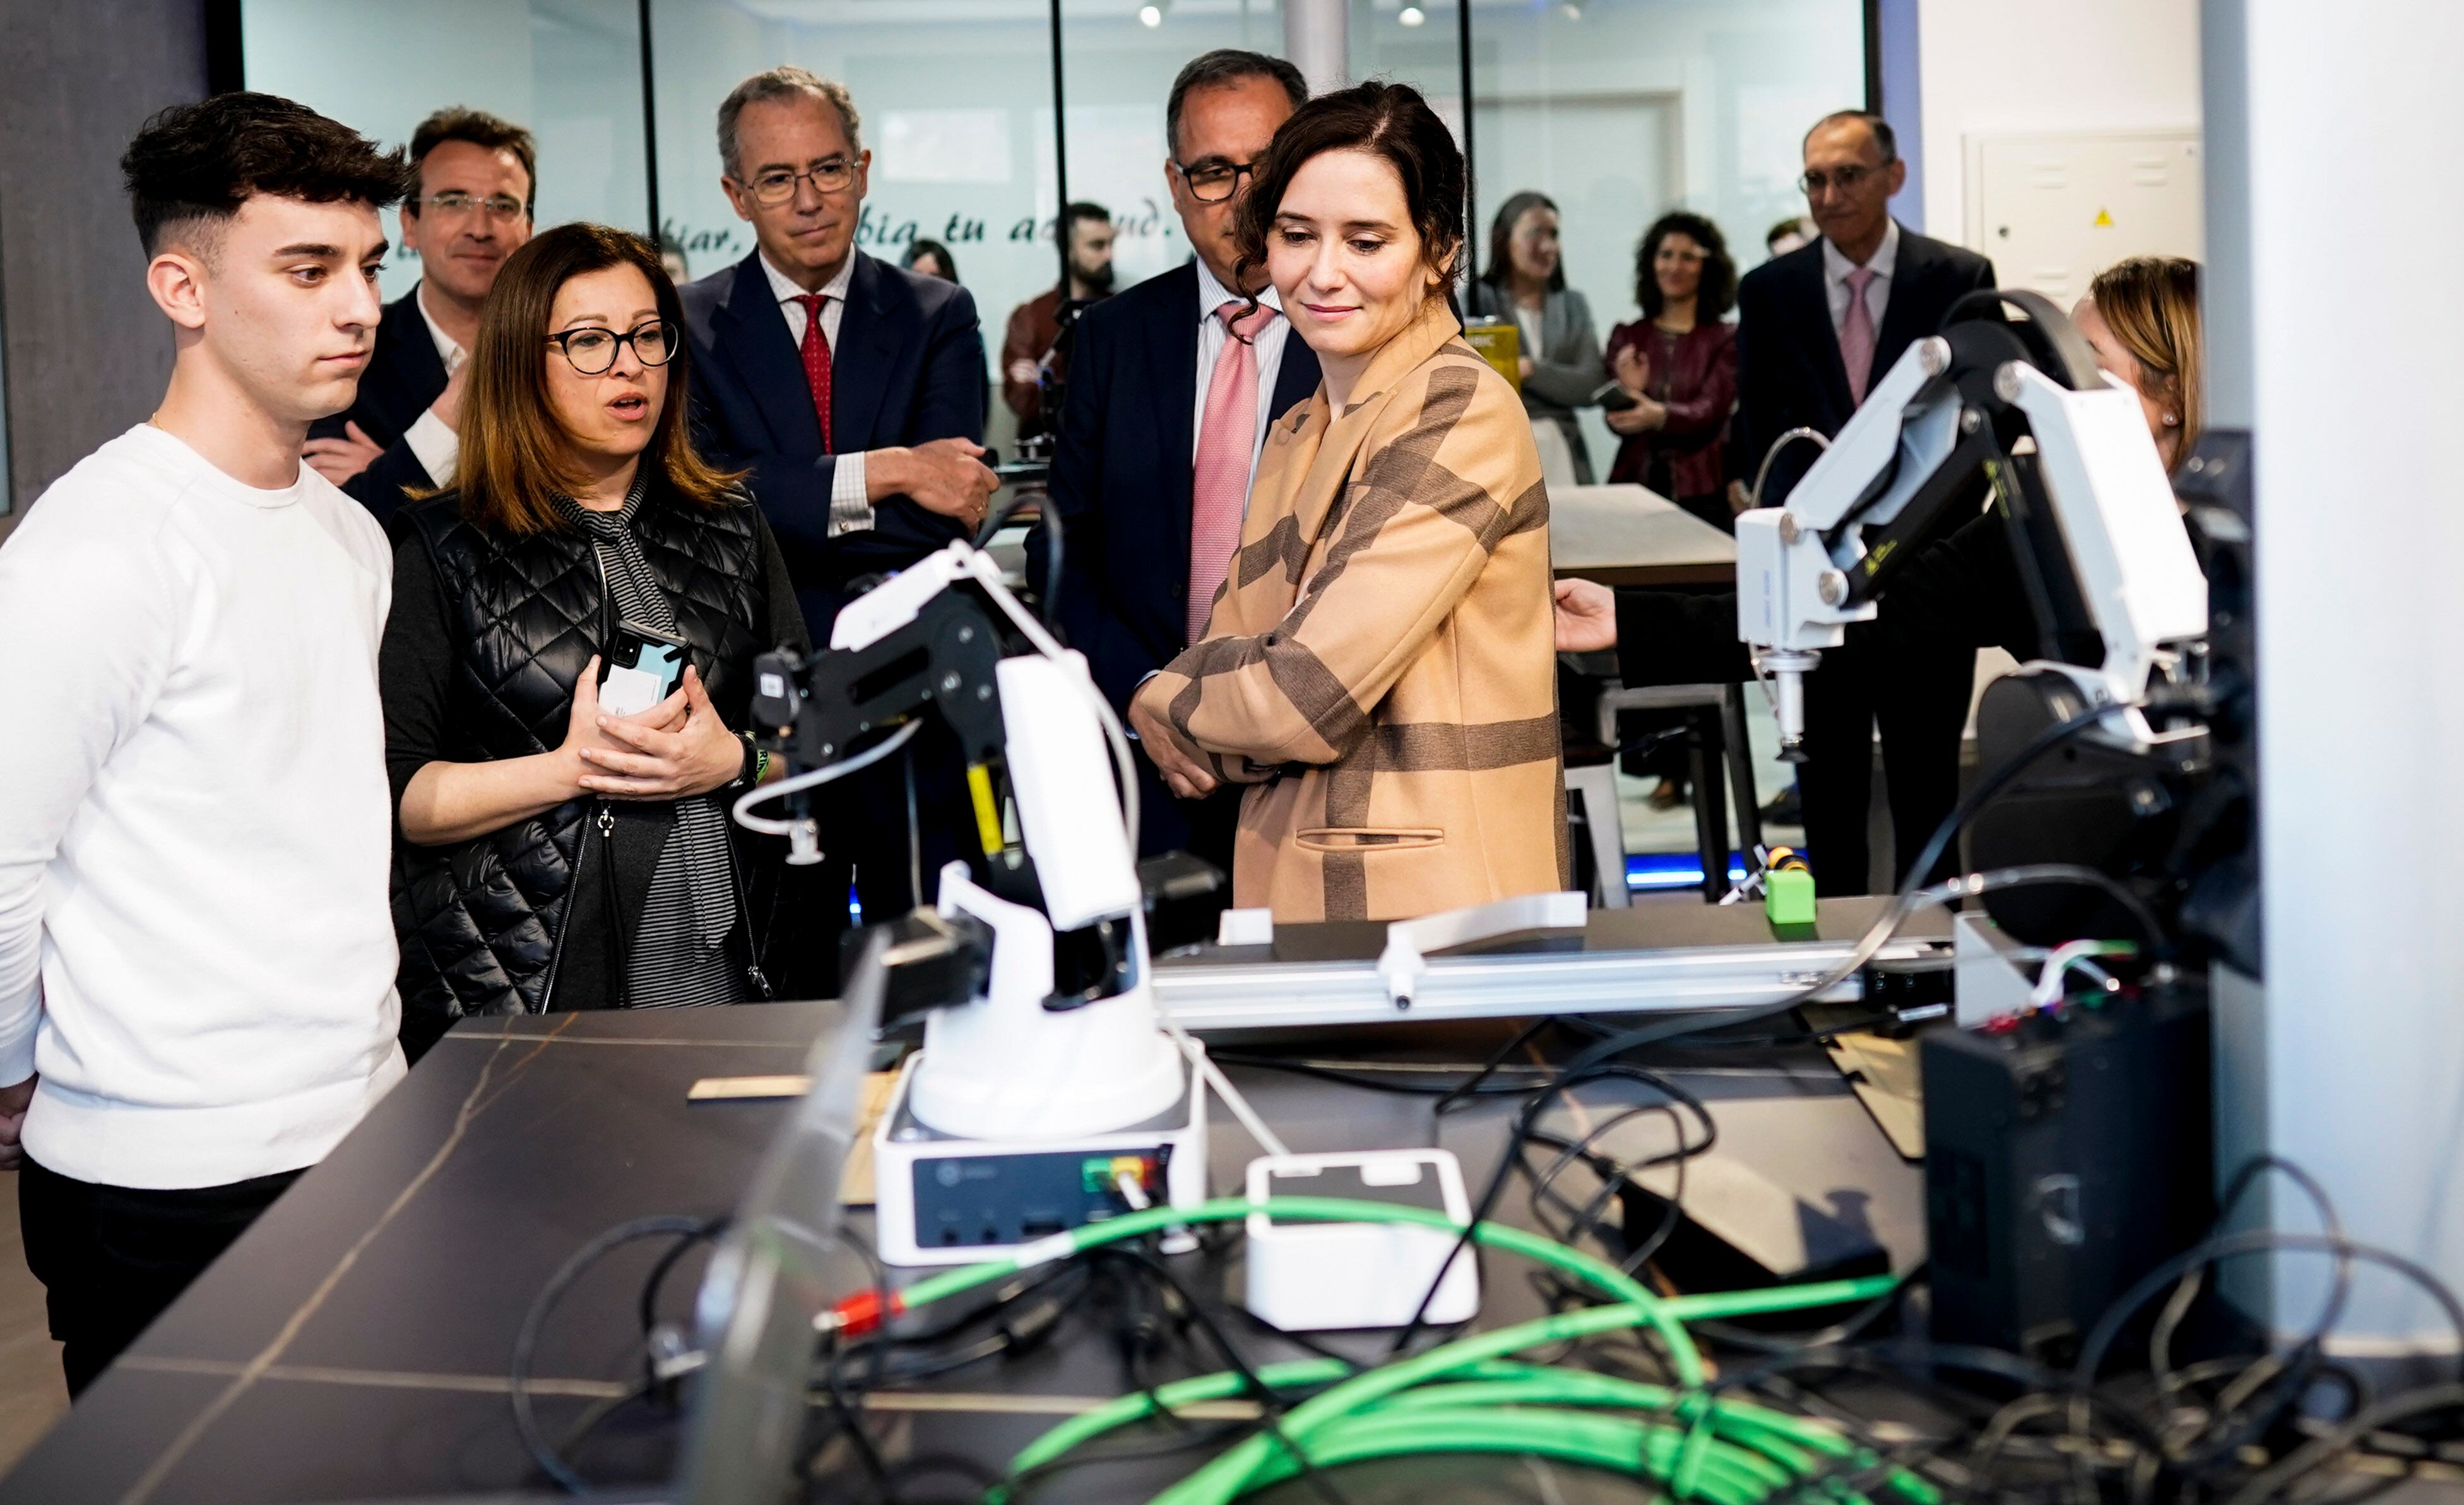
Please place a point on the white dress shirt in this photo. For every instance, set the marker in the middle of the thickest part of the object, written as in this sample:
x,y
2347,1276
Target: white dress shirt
x,y
1269,341
436,445
851,504
1878,292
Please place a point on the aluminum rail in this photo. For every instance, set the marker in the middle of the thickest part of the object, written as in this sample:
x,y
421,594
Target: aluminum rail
x,y
1242,988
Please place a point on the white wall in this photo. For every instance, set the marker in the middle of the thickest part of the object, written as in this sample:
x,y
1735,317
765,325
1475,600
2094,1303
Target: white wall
x,y
2024,65
2360,710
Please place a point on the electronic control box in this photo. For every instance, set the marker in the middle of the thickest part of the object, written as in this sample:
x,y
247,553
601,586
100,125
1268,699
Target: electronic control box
x,y
940,1199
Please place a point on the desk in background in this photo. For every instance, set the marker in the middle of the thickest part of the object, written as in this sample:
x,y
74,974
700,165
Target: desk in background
x,y
1624,535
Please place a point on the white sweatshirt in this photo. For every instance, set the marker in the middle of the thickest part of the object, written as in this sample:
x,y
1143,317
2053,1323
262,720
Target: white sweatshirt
x,y
196,948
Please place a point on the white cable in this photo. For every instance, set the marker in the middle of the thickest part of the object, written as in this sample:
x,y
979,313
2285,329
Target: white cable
x,y
2048,990
1204,1066
814,778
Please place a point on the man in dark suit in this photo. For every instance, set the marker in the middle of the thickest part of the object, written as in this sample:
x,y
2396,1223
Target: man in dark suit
x,y
1138,565
853,393
1817,330
477,182
851,389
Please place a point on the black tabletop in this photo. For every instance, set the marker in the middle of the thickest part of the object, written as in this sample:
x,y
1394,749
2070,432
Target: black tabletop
x,y
354,1343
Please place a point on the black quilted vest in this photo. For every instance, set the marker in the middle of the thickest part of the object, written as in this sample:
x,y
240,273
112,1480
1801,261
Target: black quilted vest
x,y
516,922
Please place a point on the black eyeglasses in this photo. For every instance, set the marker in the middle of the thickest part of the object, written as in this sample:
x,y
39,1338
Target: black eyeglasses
x,y
778,186
1214,182
592,350
1845,179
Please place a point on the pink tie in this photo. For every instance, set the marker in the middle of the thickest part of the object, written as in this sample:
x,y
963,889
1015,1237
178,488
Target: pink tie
x,y
1857,335
1227,442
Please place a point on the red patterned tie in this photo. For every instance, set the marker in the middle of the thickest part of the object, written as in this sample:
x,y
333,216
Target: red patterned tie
x,y
1227,442
817,363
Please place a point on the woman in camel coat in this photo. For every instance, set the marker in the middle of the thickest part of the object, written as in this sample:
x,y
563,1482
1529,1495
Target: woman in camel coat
x,y
1380,663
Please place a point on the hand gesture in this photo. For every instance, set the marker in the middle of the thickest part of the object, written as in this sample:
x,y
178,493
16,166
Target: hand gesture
x,y
448,407
639,761
1636,419
1632,368
1182,774
947,477
1586,617
14,1101
337,461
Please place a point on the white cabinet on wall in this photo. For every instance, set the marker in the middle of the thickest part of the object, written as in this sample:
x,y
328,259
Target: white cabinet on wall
x,y
2053,209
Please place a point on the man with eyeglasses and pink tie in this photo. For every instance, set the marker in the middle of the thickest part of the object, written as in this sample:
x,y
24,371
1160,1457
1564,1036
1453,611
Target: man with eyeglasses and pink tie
x,y
1815,329
1171,385
478,180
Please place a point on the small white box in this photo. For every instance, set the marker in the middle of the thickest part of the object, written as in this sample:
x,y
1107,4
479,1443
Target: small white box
x,y
1310,1277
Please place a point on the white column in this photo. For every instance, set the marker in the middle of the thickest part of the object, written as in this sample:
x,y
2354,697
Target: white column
x,y
2335,304
1317,39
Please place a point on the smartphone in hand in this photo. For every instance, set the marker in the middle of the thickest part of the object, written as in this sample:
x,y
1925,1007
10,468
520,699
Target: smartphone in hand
x,y
642,668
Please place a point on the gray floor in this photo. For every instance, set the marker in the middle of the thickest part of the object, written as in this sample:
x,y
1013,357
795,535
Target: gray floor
x,y
31,1396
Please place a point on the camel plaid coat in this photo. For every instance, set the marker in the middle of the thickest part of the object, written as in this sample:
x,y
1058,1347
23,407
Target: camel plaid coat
x,y
1382,666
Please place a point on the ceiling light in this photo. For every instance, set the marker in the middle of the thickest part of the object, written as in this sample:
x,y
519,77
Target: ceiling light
x,y
1412,15
1150,15
1572,10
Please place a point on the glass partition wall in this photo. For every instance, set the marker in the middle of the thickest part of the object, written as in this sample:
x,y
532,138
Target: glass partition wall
x,y
1616,109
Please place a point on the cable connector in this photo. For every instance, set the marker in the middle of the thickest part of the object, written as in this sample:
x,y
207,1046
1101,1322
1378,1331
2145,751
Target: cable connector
x,y
860,1313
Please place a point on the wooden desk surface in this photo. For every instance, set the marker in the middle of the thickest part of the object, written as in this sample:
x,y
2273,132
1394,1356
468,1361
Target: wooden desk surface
x,y
1625,535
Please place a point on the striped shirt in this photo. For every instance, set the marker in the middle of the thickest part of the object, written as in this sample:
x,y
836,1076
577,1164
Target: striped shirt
x,y
684,954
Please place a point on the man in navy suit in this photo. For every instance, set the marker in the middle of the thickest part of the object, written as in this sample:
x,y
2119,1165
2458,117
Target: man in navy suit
x,y
851,389
1815,329
1131,421
852,392
477,182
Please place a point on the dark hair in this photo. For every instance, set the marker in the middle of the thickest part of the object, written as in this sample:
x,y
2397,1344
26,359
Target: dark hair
x,y
1718,293
514,450
919,248
482,129
1082,210
1501,237
1793,224
1885,138
193,166
1222,66
787,81
1390,121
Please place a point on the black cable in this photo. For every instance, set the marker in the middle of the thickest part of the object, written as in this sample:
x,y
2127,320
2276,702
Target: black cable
x,y
2235,1246
1270,1404
1497,1058
1987,786
1048,520
846,1407
526,1338
2310,1456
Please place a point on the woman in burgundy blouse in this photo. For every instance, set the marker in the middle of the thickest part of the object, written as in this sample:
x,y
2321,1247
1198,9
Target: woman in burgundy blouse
x,y
1679,361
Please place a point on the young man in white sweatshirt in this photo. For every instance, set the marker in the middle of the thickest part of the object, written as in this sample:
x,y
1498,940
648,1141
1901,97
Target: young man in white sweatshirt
x,y
196,956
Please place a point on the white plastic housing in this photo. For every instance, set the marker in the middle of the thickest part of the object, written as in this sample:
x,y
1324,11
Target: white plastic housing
x,y
1003,1067
1061,773
1315,1277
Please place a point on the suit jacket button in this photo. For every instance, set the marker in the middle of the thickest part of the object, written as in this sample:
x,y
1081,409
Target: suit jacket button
x,y
1179,589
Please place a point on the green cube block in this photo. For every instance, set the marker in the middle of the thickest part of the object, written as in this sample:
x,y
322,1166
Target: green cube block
x,y
1788,896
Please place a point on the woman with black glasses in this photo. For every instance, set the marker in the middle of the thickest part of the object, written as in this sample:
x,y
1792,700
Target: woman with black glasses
x,y
553,853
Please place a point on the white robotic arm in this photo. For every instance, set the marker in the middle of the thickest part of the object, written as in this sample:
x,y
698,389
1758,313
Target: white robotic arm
x,y
2071,461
